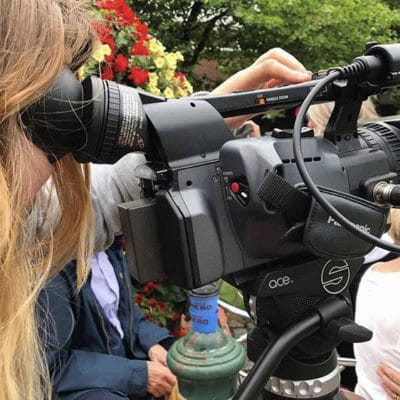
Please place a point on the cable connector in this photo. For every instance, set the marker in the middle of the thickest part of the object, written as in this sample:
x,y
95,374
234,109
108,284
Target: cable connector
x,y
387,194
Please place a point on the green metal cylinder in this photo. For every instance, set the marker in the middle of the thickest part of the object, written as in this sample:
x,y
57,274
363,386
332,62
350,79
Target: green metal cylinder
x,y
206,365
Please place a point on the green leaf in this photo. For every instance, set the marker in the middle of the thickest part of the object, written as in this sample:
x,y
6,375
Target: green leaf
x,y
123,39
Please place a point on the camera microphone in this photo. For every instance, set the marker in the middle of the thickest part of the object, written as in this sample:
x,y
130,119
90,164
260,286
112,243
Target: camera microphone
x,y
381,63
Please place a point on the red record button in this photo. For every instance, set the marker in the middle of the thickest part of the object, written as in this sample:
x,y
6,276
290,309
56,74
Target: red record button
x,y
235,187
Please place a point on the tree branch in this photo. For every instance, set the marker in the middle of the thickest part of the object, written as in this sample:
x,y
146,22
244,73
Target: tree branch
x,y
192,18
205,36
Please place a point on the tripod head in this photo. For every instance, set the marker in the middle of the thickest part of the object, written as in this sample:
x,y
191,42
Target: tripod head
x,y
293,344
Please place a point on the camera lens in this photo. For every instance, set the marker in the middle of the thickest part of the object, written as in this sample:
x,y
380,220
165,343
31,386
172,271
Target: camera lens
x,y
115,121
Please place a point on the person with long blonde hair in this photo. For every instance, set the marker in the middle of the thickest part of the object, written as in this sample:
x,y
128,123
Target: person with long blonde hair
x,y
318,115
36,39
42,229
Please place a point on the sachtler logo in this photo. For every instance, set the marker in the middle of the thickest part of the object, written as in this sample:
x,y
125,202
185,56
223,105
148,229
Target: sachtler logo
x,y
335,276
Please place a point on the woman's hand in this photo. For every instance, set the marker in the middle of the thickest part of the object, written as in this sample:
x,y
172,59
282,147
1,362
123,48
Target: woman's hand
x,y
390,381
157,353
275,67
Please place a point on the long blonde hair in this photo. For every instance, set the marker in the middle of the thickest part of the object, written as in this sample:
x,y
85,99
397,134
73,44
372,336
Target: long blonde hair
x,y
37,37
319,114
394,230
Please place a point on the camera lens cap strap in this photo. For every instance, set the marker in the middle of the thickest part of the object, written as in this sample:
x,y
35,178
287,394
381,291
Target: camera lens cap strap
x,y
280,194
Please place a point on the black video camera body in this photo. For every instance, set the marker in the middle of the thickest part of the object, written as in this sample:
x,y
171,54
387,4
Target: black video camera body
x,y
214,206
206,215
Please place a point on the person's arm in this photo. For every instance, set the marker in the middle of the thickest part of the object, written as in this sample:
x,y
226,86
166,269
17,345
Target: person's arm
x,y
83,370
146,334
112,185
75,370
148,337
275,67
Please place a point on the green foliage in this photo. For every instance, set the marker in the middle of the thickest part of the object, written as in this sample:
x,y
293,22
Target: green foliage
x,y
123,39
319,33
198,29
392,3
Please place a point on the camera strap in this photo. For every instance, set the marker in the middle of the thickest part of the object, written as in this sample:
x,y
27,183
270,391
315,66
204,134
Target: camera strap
x,y
322,235
326,237
278,193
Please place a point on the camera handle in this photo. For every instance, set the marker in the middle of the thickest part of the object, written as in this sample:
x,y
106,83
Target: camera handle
x,y
328,315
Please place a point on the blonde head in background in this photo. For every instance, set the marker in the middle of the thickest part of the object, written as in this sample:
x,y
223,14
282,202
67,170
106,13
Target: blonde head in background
x,y
37,39
319,114
394,230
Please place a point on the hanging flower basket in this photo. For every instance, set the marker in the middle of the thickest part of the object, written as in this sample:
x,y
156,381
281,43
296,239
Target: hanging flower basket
x,y
130,55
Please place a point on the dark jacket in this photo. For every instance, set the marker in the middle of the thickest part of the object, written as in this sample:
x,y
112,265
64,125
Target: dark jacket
x,y
84,350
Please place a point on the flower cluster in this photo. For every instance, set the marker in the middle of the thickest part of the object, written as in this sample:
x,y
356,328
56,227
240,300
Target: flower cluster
x,y
163,304
130,55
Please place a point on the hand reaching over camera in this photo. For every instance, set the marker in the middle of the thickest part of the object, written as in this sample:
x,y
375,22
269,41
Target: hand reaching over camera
x,y
273,68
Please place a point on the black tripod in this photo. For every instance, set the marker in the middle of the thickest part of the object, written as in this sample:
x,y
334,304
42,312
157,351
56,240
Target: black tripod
x,y
293,345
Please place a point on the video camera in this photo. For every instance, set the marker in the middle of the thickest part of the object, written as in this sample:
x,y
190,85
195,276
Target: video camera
x,y
214,206
217,207
246,210
271,215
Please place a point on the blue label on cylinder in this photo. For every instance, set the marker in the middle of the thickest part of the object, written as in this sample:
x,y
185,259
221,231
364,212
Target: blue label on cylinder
x,y
204,313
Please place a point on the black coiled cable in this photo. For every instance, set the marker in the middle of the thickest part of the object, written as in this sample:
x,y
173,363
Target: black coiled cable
x,y
355,69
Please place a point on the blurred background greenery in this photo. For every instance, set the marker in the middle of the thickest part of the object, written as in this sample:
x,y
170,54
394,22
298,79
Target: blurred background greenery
x,y
219,37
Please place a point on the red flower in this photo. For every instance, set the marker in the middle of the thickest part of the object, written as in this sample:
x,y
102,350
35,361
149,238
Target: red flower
x,y
126,16
107,4
107,73
121,12
121,63
152,285
138,299
152,302
147,315
102,31
163,307
142,31
146,290
139,49
176,316
180,76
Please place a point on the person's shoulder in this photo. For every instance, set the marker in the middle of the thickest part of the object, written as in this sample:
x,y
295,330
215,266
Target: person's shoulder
x,y
387,266
66,277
